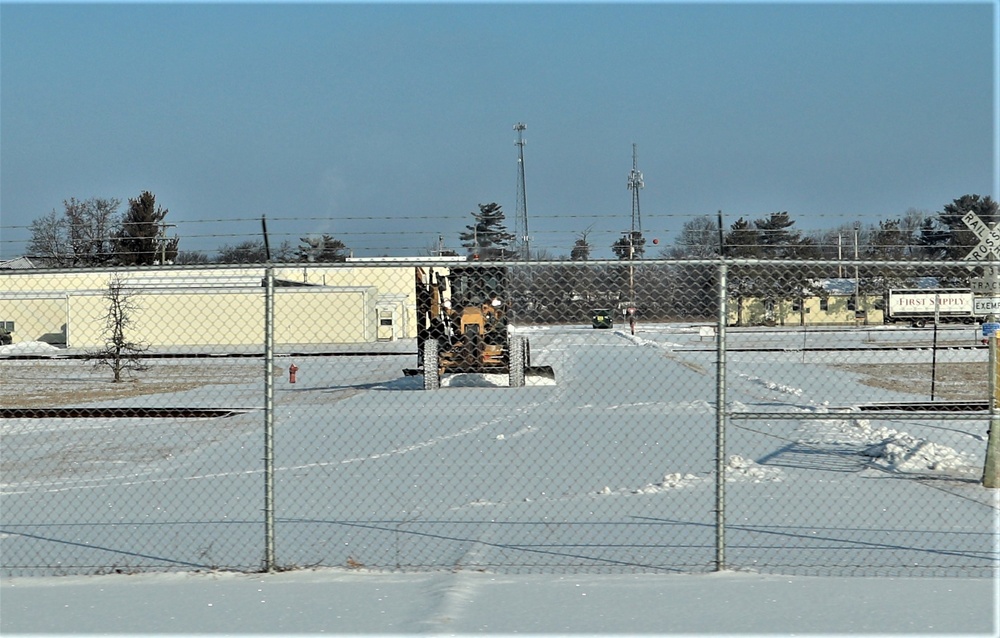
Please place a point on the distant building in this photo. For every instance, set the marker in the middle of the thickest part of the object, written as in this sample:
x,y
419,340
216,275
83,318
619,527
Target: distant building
x,y
353,303
17,263
836,307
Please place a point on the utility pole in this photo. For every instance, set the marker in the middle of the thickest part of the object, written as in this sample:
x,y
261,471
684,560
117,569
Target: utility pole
x,y
722,237
521,214
857,280
840,255
163,241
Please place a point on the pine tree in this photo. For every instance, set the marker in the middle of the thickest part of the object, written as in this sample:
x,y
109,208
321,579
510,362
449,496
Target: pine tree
x,y
631,245
947,236
581,248
322,249
487,238
140,241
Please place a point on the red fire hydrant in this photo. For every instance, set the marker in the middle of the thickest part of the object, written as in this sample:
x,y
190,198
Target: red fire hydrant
x,y
292,369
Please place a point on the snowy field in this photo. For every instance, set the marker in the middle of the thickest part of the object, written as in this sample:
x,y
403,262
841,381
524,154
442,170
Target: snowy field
x,y
611,469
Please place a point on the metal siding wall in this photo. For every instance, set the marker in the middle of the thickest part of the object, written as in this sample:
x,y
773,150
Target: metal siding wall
x,y
318,316
168,318
36,319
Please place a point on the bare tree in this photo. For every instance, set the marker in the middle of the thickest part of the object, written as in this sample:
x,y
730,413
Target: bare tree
x,y
81,236
698,238
187,257
49,245
119,353
90,224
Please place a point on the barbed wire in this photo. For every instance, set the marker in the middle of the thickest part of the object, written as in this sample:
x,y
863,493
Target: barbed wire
x,y
408,237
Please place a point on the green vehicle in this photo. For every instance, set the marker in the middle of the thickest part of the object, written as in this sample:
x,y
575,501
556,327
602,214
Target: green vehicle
x,y
602,318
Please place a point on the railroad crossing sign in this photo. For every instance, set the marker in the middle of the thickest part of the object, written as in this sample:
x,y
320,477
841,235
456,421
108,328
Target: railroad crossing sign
x,y
989,238
986,306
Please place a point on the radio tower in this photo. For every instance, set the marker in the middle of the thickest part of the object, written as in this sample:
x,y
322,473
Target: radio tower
x,y
634,184
635,241
521,238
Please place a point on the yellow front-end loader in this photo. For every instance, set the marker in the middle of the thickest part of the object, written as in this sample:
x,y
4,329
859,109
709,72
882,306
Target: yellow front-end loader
x,y
463,326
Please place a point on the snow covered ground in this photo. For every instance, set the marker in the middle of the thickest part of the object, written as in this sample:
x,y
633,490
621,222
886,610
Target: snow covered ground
x,y
518,497
450,603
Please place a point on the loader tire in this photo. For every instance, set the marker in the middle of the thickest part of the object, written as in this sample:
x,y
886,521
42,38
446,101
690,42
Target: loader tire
x,y
432,373
518,346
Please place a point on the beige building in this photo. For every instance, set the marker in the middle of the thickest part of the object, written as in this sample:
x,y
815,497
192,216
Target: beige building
x,y
836,309
357,302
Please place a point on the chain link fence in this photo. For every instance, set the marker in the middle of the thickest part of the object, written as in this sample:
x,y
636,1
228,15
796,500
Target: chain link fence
x,y
523,417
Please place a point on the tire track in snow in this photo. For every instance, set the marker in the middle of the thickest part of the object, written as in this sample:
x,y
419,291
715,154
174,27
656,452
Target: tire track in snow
x,y
65,485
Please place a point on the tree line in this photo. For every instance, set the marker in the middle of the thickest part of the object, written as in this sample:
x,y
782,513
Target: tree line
x,y
93,232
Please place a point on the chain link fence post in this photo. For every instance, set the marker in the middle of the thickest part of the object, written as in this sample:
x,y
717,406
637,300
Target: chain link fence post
x,y
269,420
720,426
991,469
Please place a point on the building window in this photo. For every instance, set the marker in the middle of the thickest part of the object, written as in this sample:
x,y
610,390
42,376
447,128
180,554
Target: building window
x,y
796,305
824,304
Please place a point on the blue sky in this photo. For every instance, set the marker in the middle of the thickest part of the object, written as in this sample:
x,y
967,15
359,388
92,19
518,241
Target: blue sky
x,y
385,125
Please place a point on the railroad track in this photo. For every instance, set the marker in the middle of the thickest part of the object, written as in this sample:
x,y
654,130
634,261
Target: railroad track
x,y
119,413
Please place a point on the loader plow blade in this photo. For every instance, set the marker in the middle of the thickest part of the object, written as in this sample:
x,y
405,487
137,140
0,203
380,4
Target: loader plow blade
x,y
544,372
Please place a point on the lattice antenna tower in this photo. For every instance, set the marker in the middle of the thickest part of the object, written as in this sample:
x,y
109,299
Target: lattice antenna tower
x,y
521,238
634,185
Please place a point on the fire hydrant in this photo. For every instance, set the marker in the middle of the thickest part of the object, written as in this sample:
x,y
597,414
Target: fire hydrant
x,y
292,369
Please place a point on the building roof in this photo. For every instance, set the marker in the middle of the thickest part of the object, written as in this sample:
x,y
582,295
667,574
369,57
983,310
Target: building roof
x,y
17,263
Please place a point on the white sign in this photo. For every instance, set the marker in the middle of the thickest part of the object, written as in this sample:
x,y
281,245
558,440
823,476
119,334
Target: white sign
x,y
989,238
986,284
986,306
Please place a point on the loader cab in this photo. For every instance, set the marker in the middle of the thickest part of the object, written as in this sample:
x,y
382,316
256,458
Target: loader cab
x,y
478,286
479,296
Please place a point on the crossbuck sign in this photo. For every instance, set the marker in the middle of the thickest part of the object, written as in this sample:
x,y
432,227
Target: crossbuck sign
x,y
989,238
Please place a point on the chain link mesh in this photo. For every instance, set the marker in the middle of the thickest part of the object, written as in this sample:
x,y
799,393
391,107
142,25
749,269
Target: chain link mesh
x,y
847,444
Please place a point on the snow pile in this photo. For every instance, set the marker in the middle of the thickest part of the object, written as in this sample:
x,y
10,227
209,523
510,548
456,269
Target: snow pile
x,y
669,482
28,347
896,451
745,470
902,452
771,385
737,469
489,380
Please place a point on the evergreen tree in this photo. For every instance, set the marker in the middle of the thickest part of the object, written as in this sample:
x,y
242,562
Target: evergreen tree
x,y
581,247
743,240
890,242
946,236
778,241
770,238
141,240
487,238
631,245
322,249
